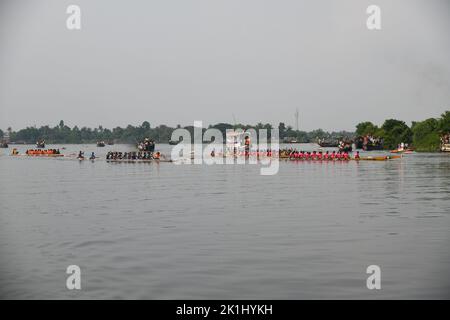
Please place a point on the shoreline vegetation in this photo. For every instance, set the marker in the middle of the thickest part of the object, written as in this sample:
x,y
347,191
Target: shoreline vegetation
x,y
423,136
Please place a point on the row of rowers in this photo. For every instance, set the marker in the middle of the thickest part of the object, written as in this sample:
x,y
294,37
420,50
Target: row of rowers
x,y
319,155
42,152
133,155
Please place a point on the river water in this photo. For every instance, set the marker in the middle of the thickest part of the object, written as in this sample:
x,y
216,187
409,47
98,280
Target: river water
x,y
166,231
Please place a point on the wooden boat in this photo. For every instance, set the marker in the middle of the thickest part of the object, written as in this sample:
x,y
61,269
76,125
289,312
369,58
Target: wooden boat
x,y
37,155
40,145
328,144
171,142
100,143
379,158
445,147
402,151
14,152
52,155
369,158
290,140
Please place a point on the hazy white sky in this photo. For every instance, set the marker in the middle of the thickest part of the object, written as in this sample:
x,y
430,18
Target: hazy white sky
x,y
175,61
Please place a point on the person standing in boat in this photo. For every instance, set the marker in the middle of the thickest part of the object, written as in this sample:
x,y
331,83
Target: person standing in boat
x,y
81,155
247,146
92,157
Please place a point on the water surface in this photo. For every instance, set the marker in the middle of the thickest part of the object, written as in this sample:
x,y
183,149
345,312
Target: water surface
x,y
165,231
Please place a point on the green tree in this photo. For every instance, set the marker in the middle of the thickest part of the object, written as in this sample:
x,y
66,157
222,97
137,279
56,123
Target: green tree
x,y
282,130
444,123
395,132
318,134
426,135
366,128
145,125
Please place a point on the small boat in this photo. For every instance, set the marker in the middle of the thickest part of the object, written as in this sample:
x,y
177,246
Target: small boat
x,y
379,158
406,151
14,152
445,147
290,140
171,142
328,144
100,143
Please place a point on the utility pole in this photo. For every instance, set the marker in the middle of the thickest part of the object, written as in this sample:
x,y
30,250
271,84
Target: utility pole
x,y
296,119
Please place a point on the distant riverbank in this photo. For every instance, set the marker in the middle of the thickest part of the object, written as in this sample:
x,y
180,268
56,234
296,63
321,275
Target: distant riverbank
x,y
423,136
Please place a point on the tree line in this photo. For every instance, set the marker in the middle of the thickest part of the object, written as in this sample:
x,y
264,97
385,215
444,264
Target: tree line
x,y
423,135
62,133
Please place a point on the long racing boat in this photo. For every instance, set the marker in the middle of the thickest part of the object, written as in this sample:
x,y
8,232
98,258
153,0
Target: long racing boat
x,y
137,160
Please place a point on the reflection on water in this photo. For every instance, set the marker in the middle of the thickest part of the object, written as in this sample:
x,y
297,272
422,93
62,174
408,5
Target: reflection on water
x,y
163,231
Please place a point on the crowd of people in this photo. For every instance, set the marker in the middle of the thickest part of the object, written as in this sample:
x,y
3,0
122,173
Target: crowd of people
x,y
147,145
369,142
290,153
402,146
445,139
345,146
372,140
133,155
